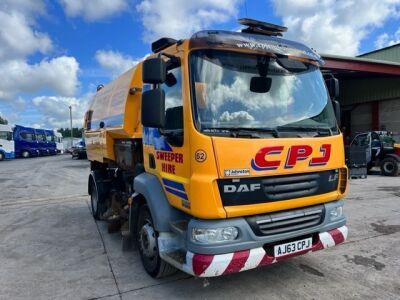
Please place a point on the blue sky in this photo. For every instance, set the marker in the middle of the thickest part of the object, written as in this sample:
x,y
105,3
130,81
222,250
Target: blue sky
x,y
53,53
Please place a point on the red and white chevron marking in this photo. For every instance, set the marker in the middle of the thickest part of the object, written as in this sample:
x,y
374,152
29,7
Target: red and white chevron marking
x,y
202,265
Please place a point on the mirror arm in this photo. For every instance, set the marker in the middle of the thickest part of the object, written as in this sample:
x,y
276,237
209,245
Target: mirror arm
x,y
173,62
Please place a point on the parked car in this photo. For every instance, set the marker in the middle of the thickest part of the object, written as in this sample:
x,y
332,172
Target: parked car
x,y
79,150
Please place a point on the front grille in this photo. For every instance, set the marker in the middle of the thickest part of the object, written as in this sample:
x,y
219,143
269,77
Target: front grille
x,y
287,187
256,190
287,221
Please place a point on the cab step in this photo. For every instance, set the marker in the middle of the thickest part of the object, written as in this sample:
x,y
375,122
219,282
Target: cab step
x,y
179,227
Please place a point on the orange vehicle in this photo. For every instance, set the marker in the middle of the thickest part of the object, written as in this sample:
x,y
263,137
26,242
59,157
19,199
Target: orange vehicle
x,y
220,153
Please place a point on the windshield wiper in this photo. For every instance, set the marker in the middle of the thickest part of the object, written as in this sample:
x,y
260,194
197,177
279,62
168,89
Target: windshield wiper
x,y
321,131
243,131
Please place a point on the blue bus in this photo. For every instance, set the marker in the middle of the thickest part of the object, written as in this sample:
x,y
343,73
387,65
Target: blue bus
x,y
26,144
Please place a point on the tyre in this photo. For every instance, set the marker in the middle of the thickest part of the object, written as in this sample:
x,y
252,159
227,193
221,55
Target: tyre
x,y
1,156
148,246
96,202
390,166
25,154
370,165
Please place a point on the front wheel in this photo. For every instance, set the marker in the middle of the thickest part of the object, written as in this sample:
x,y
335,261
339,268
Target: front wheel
x,y
1,156
390,166
25,154
148,246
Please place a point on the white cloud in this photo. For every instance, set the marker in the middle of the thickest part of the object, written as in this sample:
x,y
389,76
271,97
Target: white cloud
x,y
55,110
180,18
23,6
385,39
93,10
59,74
18,38
331,26
114,62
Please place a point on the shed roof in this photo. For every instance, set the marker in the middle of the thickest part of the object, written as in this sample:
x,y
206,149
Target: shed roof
x,y
391,54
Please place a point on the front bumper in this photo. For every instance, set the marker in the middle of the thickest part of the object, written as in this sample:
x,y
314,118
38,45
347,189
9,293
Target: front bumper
x,y
205,265
9,155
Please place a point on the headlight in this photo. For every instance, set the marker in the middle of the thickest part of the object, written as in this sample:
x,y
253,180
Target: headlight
x,y
214,235
336,213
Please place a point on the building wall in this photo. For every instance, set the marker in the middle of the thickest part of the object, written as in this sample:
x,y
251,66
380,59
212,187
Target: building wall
x,y
362,90
389,115
361,120
387,112
387,54
374,98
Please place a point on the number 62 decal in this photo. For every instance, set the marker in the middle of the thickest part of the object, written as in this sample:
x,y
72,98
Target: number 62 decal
x,y
200,155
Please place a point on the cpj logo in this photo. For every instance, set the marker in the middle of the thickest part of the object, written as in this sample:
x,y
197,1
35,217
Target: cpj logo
x,y
266,158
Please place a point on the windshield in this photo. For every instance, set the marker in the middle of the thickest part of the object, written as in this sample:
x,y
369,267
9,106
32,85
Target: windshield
x,y
50,138
248,91
41,137
6,135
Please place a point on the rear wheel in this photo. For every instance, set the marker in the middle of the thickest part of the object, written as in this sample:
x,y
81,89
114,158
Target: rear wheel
x,y
96,202
148,246
390,166
25,154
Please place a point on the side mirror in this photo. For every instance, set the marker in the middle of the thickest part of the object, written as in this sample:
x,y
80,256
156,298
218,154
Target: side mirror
x,y
336,108
153,108
154,70
332,85
260,84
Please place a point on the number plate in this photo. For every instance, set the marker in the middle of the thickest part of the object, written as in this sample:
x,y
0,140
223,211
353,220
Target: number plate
x,y
292,247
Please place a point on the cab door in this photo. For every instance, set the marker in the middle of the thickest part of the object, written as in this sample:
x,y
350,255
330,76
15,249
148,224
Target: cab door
x,y
364,140
376,146
166,150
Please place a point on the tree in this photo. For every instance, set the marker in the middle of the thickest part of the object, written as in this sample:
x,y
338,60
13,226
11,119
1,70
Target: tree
x,y
76,132
3,121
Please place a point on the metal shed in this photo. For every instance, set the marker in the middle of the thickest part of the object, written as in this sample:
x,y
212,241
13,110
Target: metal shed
x,y
369,89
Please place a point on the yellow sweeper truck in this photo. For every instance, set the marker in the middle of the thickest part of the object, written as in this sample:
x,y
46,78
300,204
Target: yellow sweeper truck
x,y
220,153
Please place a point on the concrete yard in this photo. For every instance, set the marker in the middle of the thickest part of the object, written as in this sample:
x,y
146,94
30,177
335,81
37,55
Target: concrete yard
x,y
51,248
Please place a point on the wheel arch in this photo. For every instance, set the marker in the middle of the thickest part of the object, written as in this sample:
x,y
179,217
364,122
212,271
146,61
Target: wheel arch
x,y
150,188
395,156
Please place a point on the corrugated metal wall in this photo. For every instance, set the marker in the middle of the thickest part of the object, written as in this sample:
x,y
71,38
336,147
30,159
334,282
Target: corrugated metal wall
x,y
361,92
389,54
356,91
361,120
389,115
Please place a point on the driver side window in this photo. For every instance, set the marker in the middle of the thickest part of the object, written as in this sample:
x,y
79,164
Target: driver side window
x,y
361,140
173,100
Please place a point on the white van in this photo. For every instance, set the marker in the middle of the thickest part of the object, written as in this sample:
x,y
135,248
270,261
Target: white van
x,y
7,149
59,142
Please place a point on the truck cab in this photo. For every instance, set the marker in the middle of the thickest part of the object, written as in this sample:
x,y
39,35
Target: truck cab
x,y
227,152
42,143
51,142
7,149
26,144
59,142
